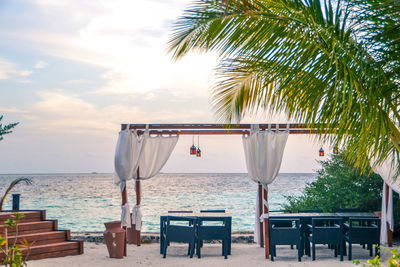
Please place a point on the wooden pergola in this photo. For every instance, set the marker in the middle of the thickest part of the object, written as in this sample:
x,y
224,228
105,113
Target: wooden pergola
x,y
216,129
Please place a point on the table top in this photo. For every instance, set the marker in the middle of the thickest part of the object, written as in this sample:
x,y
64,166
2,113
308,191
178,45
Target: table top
x,y
198,214
325,214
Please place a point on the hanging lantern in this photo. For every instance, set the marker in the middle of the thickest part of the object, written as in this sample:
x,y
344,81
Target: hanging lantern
x,y
198,152
321,152
336,150
193,148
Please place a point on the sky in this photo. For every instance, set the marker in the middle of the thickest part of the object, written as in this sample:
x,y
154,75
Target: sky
x,y
72,71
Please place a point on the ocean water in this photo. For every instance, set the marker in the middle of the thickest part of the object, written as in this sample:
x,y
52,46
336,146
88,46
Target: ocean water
x,y
83,202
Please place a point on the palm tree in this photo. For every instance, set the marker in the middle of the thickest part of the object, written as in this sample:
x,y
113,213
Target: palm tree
x,y
6,129
14,183
333,65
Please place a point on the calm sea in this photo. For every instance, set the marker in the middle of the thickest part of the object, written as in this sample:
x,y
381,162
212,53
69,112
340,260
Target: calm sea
x,y
83,202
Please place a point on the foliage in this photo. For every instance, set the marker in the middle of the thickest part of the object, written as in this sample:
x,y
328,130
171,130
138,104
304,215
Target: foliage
x,y
13,253
330,64
339,185
6,129
27,181
393,261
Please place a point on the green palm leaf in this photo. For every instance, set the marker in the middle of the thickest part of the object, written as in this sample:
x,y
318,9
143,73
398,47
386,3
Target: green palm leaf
x,y
313,60
25,180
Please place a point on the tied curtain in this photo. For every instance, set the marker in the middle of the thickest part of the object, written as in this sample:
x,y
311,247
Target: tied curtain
x,y
388,170
263,151
149,154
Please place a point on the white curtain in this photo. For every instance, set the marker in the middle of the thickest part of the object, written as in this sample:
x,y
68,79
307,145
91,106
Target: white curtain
x,y
263,151
129,147
388,171
149,153
154,154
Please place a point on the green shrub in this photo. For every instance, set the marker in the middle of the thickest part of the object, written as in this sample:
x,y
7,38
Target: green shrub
x,y
339,185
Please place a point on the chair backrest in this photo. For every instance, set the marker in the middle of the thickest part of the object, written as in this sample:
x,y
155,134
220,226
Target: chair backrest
x,y
311,211
180,233
215,211
212,232
277,211
284,231
180,211
327,230
347,210
364,230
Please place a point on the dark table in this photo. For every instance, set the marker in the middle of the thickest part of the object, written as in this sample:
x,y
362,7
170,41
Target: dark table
x,y
226,217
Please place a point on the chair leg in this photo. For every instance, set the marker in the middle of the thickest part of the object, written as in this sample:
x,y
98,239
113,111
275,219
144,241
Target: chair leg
x,y
370,250
225,249
191,248
341,250
350,252
299,251
198,249
271,252
165,249
335,247
313,251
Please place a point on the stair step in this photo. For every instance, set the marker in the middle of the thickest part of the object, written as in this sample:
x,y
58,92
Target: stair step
x,y
43,238
66,248
29,216
32,227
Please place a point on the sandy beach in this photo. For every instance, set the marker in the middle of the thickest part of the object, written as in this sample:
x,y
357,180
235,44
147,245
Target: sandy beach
x,y
242,255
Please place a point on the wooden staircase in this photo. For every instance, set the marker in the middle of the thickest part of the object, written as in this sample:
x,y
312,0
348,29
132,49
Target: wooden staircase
x,y
45,240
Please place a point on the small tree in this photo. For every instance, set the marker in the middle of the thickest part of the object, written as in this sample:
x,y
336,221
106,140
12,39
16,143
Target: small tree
x,y
339,185
6,129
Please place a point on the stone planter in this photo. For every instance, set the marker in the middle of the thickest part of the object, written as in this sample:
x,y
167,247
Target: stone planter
x,y
115,239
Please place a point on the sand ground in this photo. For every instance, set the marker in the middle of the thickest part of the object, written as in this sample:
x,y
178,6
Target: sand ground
x,y
242,255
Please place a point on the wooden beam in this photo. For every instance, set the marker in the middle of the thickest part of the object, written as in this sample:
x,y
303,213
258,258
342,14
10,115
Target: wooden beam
x,y
186,126
389,232
260,211
266,226
217,132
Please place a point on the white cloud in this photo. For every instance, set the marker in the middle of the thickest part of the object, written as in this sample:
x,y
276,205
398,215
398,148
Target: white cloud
x,y
12,110
8,70
40,65
60,111
126,38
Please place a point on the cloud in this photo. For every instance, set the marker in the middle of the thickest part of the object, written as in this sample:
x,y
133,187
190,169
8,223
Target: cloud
x,y
60,111
12,110
40,65
127,39
8,70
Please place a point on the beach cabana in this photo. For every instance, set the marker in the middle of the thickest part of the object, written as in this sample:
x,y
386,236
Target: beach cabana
x,y
143,149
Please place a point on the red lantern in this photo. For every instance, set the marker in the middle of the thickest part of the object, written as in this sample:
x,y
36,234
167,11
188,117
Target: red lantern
x,y
321,152
192,150
198,154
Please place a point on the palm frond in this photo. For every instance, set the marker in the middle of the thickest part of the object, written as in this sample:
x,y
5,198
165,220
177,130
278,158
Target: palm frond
x,y
310,59
25,180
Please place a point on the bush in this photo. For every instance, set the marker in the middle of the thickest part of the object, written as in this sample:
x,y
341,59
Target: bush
x,y
339,185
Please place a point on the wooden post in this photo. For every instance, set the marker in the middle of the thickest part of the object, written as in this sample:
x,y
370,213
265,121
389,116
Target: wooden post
x,y
124,198
266,225
138,238
389,232
260,211
124,201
